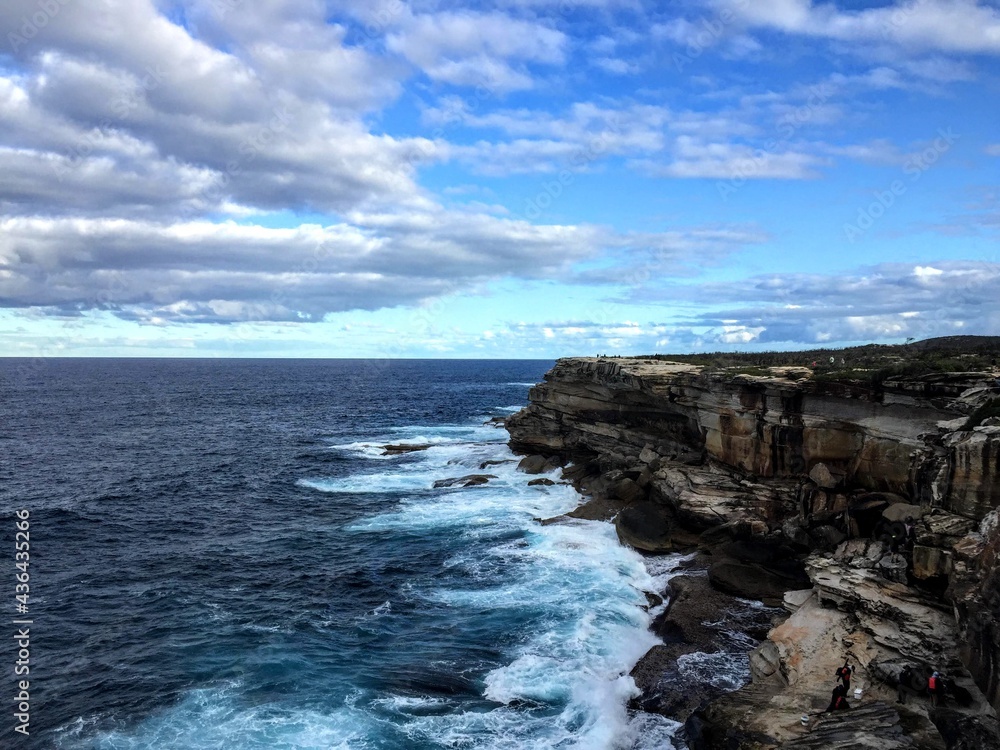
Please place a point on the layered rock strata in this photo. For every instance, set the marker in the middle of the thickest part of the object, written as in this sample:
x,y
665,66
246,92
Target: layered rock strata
x,y
873,506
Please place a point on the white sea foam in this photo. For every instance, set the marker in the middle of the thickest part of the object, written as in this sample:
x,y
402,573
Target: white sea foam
x,y
728,671
577,571
565,683
216,718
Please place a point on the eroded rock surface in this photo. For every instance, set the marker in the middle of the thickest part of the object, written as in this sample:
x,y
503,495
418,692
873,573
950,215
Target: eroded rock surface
x,y
881,500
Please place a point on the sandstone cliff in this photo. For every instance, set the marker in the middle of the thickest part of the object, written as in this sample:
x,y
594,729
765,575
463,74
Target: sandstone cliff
x,y
872,502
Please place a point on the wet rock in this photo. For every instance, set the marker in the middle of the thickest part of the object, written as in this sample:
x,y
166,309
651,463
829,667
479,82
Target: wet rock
x,y
501,462
577,472
751,581
795,532
645,526
628,491
964,732
470,480
696,621
538,464
541,482
393,450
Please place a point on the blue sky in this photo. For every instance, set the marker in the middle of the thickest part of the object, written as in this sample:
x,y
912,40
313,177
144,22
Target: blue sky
x,y
518,178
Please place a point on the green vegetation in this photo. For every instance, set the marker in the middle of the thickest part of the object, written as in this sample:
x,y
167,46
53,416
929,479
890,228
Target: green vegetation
x,y
869,365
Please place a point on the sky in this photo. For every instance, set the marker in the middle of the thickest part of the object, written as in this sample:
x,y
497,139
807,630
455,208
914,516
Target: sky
x,y
515,178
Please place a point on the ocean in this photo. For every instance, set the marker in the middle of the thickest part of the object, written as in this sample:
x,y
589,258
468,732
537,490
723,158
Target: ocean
x,y
222,557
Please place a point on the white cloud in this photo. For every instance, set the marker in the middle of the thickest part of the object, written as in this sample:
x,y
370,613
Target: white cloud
x,y
945,25
221,272
890,300
739,334
478,49
729,161
617,66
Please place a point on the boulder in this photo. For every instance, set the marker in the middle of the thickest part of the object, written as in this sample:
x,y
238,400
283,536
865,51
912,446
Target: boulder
x,y
793,600
500,462
399,448
931,562
541,482
628,491
794,530
470,480
823,477
538,464
941,529
826,537
647,456
749,580
645,526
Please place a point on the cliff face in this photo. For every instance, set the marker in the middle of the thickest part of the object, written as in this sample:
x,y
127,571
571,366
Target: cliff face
x,y
830,473
901,439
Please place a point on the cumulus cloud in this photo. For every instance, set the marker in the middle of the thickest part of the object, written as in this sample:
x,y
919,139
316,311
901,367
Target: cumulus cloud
x,y
155,163
191,128
223,272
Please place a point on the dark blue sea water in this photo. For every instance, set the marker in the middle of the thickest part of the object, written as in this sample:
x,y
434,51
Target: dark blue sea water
x,y
221,557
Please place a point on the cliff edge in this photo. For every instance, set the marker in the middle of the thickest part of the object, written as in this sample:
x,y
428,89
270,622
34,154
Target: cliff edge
x,y
862,501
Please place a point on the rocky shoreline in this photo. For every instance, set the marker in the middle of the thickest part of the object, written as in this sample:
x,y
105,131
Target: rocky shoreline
x,y
862,517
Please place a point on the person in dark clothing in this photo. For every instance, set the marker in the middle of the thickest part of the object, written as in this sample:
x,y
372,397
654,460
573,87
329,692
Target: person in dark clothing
x,y
844,675
911,532
837,701
903,684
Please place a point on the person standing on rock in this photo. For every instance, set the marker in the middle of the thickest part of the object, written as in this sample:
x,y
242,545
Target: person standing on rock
x,y
911,531
903,683
935,689
838,701
844,675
